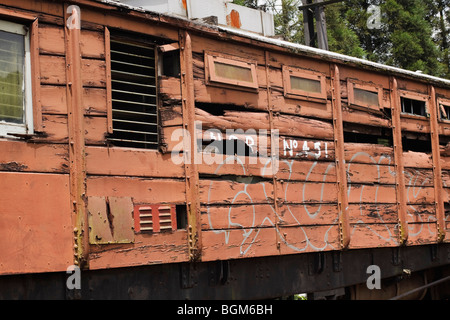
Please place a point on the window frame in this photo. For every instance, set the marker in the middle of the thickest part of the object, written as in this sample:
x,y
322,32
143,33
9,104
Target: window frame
x,y
110,36
8,129
414,96
353,84
289,92
445,102
212,79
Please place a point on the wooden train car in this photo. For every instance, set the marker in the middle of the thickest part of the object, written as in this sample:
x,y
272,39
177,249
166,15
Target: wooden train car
x,y
169,158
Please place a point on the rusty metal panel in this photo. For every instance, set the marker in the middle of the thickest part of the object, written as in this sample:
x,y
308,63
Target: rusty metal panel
x,y
121,210
110,220
99,228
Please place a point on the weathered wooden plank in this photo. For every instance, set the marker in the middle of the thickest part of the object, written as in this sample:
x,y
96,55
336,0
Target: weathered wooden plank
x,y
307,192
300,107
303,127
54,100
366,118
141,163
93,73
53,70
237,166
51,39
146,191
415,124
161,247
421,213
239,243
35,212
311,171
421,233
224,217
370,173
307,214
223,191
308,239
96,128
170,115
419,177
368,153
374,235
233,120
277,60
363,193
417,160
94,101
30,157
225,48
372,213
419,194
92,44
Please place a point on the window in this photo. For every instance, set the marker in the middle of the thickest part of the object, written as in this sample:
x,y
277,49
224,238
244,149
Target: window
x,y
303,83
364,94
16,113
444,109
413,103
133,88
230,72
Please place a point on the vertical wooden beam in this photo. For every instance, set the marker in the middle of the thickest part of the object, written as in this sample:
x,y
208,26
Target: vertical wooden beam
x,y
341,174
36,76
192,177
400,188
437,170
273,150
75,119
108,81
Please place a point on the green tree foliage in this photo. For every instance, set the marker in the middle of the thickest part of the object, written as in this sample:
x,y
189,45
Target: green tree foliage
x,y
413,34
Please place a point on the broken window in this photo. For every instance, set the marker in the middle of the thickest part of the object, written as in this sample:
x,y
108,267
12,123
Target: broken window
x,y
15,80
134,100
300,83
413,104
230,72
365,94
354,133
444,109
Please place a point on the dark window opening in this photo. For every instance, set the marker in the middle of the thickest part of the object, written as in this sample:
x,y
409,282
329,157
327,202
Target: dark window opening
x,y
445,112
171,63
229,147
219,109
416,142
181,213
411,106
134,100
354,133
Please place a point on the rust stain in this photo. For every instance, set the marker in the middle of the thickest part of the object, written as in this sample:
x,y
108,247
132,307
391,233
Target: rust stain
x,y
234,20
184,4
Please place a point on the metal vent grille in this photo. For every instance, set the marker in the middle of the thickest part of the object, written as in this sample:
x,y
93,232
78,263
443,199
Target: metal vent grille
x,y
134,103
155,218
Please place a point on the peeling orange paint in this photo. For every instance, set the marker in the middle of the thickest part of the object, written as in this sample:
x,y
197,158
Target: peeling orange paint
x,y
234,20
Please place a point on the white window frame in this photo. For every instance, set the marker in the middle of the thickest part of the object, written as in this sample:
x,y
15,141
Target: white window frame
x,y
8,129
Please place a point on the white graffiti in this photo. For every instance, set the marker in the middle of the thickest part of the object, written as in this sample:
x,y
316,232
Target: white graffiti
x,y
386,230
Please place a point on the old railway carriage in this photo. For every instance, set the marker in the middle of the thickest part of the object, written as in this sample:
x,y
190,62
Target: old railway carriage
x,y
106,109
